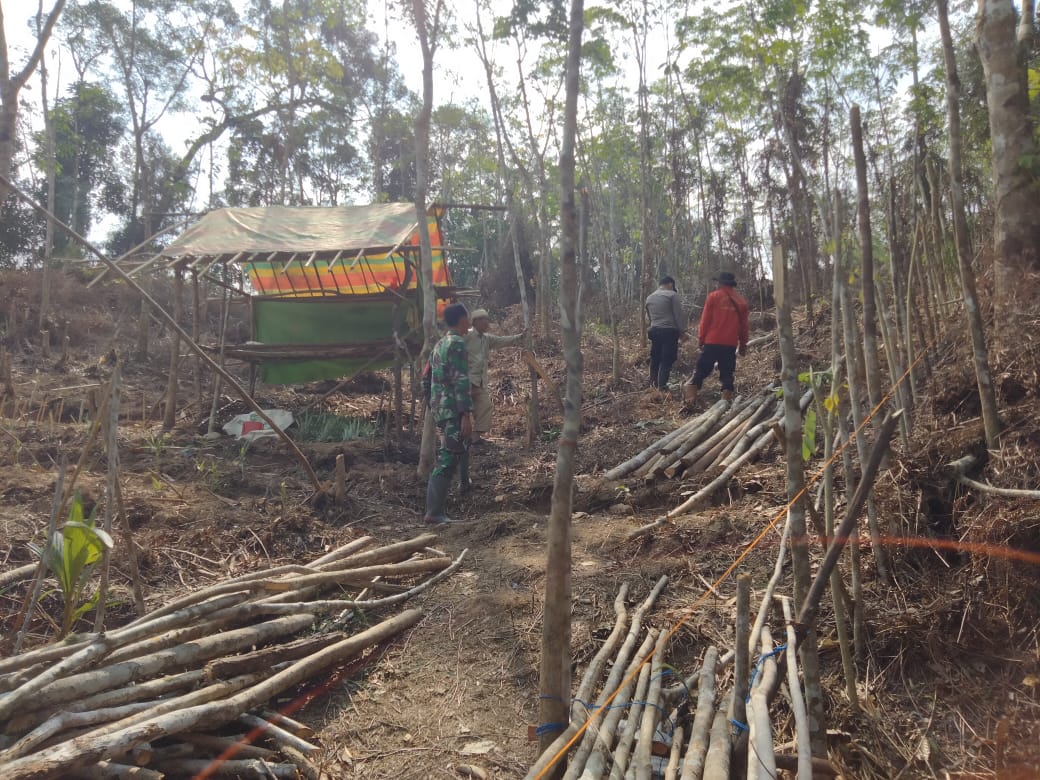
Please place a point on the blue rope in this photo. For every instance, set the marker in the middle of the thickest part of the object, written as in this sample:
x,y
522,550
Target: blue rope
x,y
548,728
758,666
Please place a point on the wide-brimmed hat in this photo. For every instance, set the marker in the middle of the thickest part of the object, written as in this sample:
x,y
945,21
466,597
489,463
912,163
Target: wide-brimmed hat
x,y
726,277
476,314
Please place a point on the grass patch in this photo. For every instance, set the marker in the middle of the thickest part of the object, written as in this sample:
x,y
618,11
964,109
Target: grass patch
x,y
328,427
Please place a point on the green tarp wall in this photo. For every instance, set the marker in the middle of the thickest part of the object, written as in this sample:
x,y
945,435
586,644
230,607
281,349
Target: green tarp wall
x,y
324,321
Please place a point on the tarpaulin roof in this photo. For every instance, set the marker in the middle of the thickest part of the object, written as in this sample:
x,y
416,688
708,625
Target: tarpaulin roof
x,y
304,251
296,229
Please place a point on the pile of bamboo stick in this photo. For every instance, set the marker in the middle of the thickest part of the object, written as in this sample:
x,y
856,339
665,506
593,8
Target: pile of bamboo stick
x,y
709,442
713,445
714,723
172,692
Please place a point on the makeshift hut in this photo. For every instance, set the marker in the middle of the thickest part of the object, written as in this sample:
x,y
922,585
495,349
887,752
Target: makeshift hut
x,y
331,288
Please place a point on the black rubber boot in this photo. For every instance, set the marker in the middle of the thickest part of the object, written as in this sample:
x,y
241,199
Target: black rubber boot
x,y
437,498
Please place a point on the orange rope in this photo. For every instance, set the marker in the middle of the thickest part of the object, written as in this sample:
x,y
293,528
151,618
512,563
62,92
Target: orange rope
x,y
725,575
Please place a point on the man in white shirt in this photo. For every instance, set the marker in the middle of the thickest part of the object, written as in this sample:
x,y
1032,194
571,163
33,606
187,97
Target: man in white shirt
x,y
478,344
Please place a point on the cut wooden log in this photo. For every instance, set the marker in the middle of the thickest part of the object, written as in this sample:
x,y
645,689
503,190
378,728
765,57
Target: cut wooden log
x,y
671,770
121,636
704,494
303,764
641,761
260,660
761,763
105,678
277,734
121,717
735,422
151,689
227,747
398,551
623,750
353,576
579,716
88,749
798,709
19,574
301,730
641,458
721,412
106,770
603,738
238,769
716,763
693,762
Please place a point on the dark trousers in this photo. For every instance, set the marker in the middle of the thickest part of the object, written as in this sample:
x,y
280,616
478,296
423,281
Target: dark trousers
x,y
712,355
664,349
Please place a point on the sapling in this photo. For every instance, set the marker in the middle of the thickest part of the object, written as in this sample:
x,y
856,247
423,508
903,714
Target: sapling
x,y
71,555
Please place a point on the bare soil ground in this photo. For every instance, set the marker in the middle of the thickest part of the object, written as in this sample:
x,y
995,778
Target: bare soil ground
x,y
951,681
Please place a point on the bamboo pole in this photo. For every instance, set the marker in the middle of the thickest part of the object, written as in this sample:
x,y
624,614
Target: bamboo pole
x,y
656,447
761,765
603,737
693,762
651,713
801,715
717,761
809,608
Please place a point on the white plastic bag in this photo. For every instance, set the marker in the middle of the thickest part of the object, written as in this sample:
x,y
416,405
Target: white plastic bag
x,y
250,426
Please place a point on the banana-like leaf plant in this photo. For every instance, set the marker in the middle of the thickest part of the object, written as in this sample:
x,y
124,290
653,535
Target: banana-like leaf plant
x,y
71,555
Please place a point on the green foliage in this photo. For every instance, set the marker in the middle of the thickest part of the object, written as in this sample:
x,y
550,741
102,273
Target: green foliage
x,y
71,555
209,472
328,427
88,125
156,444
809,434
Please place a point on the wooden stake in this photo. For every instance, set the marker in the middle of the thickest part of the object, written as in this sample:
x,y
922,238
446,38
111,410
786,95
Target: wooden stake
x,y
341,479
112,446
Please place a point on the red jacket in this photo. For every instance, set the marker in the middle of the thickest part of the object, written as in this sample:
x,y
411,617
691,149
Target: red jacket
x,y
725,319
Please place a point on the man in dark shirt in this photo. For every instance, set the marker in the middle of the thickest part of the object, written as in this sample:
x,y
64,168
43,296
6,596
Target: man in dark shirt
x,y
667,326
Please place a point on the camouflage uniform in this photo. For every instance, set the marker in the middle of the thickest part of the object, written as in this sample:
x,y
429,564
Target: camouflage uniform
x,y
450,399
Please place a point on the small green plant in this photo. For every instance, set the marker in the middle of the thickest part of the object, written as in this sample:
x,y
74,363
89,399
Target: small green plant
x,y
817,380
242,452
157,444
209,472
71,555
328,427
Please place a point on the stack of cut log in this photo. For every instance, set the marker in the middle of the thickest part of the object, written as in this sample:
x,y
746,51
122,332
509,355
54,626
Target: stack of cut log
x,y
647,724
716,443
175,692
710,442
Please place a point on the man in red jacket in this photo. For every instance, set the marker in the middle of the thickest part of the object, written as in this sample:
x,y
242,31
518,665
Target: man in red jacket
x,y
723,333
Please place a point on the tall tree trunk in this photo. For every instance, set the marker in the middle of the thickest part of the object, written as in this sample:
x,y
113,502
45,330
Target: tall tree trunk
x,y
1016,233
52,174
866,240
795,483
11,86
428,43
983,378
554,679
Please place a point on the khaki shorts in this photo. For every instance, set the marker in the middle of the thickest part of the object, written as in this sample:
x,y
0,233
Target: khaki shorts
x,y
482,408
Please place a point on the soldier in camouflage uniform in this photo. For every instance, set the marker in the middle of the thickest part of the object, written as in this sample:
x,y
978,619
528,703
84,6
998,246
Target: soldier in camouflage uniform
x,y
452,407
